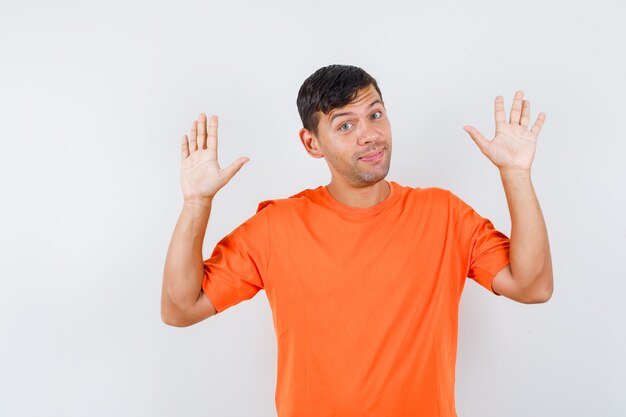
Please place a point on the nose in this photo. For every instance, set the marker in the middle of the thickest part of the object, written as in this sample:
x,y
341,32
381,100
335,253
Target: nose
x,y
367,133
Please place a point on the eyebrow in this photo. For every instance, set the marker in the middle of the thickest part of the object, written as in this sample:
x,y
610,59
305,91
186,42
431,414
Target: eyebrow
x,y
349,113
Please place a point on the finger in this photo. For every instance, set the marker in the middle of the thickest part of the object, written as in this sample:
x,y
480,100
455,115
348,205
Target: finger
x,y
516,109
212,135
499,110
478,138
538,124
193,145
185,148
525,113
202,131
231,170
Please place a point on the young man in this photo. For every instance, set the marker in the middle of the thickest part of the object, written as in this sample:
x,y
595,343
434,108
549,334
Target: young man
x,y
363,276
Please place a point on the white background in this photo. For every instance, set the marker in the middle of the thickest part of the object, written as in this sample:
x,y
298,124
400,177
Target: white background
x,y
95,97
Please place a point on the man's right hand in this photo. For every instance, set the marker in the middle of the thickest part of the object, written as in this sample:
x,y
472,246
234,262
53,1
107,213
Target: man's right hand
x,y
201,176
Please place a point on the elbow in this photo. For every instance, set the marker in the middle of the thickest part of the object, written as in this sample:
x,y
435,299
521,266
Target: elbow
x,y
172,315
541,296
168,318
540,299
177,316
545,296
548,289
174,322
548,294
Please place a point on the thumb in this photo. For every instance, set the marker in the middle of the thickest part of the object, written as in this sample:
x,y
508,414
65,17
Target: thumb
x,y
478,138
231,170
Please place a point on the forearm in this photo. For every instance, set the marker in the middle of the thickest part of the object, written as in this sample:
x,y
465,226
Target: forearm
x,y
531,263
184,269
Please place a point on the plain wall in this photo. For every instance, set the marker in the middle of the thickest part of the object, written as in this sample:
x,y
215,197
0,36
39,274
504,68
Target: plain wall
x,y
94,99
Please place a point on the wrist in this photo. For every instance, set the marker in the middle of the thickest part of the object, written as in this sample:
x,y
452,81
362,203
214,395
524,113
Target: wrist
x,y
514,173
198,202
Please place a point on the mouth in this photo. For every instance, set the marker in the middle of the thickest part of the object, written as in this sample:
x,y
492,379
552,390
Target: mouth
x,y
375,156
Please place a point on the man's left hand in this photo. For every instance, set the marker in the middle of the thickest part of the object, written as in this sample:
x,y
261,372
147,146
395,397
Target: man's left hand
x,y
513,147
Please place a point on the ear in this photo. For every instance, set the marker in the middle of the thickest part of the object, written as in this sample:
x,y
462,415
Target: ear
x,y
311,143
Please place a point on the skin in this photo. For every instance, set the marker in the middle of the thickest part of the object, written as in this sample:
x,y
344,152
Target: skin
x,y
528,278
182,301
342,142
342,139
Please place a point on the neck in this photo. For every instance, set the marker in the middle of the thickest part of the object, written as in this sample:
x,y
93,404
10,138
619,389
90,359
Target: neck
x,y
359,196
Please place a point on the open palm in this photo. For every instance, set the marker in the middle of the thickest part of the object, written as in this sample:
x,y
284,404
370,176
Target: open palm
x,y
513,146
201,176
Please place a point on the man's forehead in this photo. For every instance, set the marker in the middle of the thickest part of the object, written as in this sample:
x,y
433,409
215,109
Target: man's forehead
x,y
366,96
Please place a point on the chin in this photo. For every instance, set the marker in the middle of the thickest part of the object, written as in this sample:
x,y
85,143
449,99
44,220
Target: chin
x,y
376,175
373,177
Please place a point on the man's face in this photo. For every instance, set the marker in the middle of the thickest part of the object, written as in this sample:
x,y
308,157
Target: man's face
x,y
356,139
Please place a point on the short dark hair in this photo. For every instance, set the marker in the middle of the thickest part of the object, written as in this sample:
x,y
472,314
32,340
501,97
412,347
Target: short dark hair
x,y
329,88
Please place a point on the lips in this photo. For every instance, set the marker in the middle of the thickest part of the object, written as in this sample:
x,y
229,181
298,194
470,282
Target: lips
x,y
373,155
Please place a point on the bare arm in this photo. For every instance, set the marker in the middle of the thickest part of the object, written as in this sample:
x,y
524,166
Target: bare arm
x,y
182,301
528,278
184,270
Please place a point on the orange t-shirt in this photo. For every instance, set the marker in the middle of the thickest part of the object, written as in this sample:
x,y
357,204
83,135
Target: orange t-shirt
x,y
364,300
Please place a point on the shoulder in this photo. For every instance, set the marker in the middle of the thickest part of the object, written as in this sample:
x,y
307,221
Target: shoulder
x,y
433,195
296,201
438,202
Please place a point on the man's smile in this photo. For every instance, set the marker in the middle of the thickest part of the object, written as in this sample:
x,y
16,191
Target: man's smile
x,y
373,156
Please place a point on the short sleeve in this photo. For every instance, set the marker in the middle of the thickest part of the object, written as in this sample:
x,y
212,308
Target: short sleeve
x,y
238,264
484,250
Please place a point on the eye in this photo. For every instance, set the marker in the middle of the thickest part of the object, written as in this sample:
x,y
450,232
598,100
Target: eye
x,y
377,115
343,126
